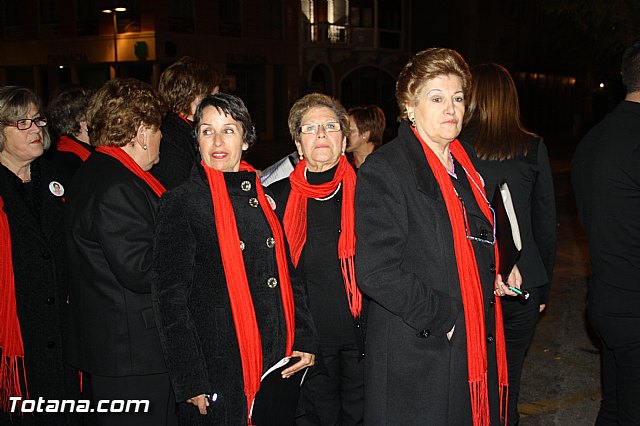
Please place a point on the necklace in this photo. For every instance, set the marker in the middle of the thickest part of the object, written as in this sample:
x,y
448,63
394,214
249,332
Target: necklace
x,y
328,197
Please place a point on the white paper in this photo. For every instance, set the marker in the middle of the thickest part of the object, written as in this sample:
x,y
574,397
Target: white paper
x,y
511,214
279,170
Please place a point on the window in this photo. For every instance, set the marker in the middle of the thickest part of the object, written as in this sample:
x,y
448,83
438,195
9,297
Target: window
x,y
181,16
230,24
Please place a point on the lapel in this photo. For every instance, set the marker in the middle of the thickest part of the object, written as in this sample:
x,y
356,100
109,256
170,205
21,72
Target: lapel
x,y
424,179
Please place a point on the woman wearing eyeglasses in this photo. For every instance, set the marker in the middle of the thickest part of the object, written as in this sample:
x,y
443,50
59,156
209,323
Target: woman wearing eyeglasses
x,y
427,259
319,224
33,271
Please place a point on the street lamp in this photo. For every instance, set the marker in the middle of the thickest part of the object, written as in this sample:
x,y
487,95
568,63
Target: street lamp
x,y
114,13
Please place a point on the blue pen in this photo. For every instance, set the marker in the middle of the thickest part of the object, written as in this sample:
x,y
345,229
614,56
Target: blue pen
x,y
524,294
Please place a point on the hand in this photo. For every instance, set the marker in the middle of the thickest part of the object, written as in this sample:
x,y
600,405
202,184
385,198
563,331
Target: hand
x,y
542,306
514,280
306,360
200,401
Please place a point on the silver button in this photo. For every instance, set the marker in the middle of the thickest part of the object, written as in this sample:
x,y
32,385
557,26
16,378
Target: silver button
x,y
272,282
271,242
241,245
253,202
246,185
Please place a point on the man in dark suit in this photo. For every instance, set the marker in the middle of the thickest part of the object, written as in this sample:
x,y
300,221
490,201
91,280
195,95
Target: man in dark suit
x,y
606,180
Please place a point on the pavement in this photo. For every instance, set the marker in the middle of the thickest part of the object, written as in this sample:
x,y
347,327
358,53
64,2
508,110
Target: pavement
x,y
561,377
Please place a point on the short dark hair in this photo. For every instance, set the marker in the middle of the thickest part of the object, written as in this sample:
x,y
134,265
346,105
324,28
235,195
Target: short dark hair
x,y
67,108
119,107
370,118
631,68
229,105
186,79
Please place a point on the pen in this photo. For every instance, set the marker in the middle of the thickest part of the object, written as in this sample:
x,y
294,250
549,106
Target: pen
x,y
524,294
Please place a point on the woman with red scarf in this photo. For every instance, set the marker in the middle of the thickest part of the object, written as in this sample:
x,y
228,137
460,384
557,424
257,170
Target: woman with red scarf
x,y
319,223
110,219
227,303
427,258
33,267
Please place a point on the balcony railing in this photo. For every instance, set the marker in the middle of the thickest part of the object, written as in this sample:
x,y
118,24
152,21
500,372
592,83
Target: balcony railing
x,y
346,35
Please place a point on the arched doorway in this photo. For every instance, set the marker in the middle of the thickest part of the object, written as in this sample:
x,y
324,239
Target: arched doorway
x,y
321,80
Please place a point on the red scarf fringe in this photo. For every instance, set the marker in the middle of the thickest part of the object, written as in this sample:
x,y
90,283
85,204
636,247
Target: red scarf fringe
x,y
295,222
244,317
471,287
10,334
66,144
126,160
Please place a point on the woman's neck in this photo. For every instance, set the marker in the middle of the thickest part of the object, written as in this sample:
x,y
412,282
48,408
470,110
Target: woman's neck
x,y
321,167
22,169
361,154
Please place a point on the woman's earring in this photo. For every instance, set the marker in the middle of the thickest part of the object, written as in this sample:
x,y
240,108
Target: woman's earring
x,y
413,122
144,146
301,155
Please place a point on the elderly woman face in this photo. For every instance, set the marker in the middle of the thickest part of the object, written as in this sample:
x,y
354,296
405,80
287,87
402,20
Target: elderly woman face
x,y
23,139
321,140
439,109
221,140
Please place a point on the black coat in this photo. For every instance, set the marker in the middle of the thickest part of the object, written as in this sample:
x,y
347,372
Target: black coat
x,y
40,272
67,162
531,186
178,151
405,262
110,221
192,301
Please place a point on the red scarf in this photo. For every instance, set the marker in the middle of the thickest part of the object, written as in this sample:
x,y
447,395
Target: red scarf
x,y
66,144
10,334
126,160
244,316
471,287
295,222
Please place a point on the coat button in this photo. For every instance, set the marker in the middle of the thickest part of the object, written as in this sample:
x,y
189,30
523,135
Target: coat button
x,y
425,333
272,282
492,267
241,245
492,301
46,255
51,344
253,202
245,185
271,242
50,300
484,234
490,338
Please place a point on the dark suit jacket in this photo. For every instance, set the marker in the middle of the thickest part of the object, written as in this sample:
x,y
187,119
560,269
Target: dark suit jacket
x,y
605,172
531,185
178,151
405,262
40,272
110,221
192,300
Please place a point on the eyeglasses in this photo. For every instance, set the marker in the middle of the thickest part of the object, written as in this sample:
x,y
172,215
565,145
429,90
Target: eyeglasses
x,y
466,226
313,128
26,123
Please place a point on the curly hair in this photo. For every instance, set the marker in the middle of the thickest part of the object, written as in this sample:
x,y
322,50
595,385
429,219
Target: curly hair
x,y
14,105
424,66
316,100
369,118
184,81
229,105
119,107
68,107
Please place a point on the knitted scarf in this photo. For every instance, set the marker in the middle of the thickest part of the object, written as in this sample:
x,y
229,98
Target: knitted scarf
x,y
10,334
470,286
130,164
295,222
244,316
67,144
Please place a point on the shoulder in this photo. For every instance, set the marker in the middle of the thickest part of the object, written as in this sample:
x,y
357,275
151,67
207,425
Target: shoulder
x,y
280,190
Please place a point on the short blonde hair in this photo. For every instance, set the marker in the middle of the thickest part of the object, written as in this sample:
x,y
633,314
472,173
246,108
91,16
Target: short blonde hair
x,y
14,105
424,66
119,108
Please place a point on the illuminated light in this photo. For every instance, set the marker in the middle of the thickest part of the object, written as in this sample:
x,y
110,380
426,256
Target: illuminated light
x,y
107,11
534,76
601,85
61,67
572,80
120,9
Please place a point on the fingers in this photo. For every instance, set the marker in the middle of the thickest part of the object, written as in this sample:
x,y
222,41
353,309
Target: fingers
x,y
542,306
502,289
201,402
306,360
